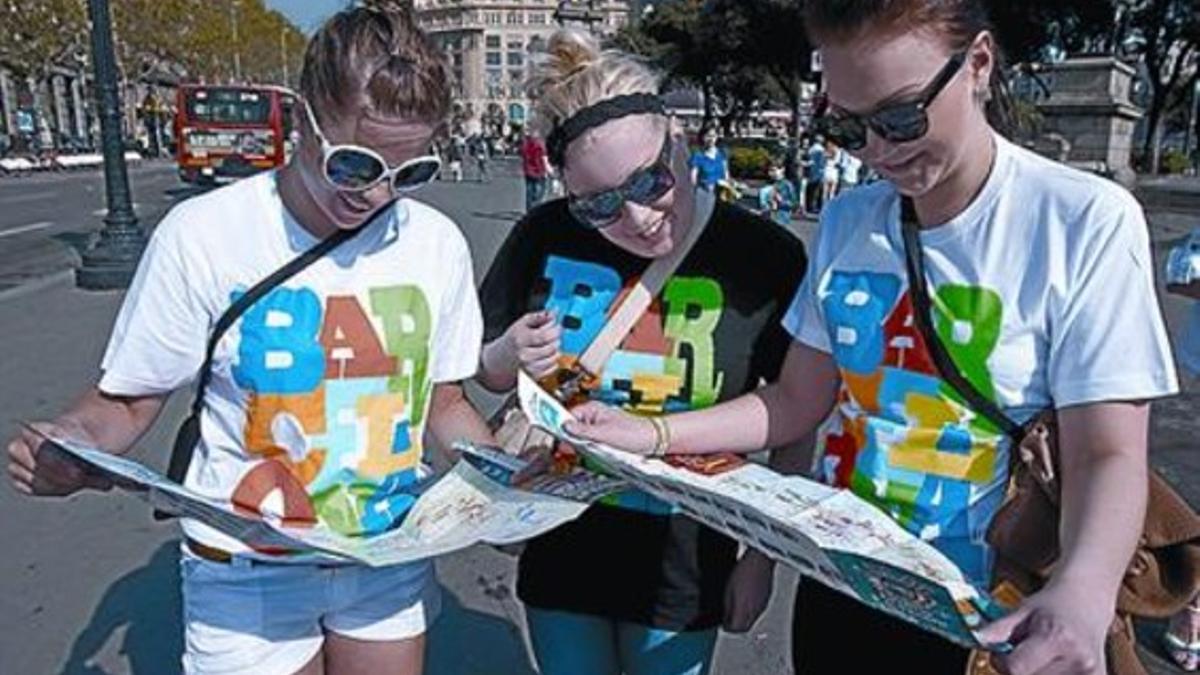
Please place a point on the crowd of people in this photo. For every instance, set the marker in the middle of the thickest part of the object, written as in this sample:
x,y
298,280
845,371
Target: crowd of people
x,y
316,405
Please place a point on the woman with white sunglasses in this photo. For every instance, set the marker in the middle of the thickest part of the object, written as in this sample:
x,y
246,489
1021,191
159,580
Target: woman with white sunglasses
x,y
321,391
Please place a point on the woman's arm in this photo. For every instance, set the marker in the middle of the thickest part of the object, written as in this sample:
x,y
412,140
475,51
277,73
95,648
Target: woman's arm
x,y
110,423
452,418
776,415
1104,485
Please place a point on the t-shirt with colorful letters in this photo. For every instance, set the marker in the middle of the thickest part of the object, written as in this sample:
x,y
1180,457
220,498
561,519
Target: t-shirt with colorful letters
x,y
1043,293
320,391
712,334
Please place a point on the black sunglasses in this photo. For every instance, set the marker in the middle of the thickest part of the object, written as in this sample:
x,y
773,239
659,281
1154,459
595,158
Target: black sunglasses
x,y
895,123
644,186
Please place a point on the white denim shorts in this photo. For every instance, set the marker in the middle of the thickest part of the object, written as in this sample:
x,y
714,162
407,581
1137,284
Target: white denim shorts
x,y
242,617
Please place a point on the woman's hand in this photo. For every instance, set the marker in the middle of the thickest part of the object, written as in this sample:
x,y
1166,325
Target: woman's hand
x,y
1060,629
615,427
531,344
36,467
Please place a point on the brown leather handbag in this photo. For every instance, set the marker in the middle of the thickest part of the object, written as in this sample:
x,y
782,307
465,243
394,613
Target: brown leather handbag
x,y
1164,573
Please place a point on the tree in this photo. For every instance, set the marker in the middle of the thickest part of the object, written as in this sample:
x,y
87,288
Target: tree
x,y
1167,36
764,40
1025,28
39,34
670,37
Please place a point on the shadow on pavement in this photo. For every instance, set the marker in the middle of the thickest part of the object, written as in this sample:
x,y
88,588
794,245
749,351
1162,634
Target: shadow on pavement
x,y
147,603
468,642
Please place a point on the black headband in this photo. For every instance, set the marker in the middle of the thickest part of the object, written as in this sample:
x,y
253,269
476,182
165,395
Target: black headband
x,y
594,115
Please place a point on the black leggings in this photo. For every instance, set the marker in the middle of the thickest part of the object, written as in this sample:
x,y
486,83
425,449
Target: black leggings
x,y
833,634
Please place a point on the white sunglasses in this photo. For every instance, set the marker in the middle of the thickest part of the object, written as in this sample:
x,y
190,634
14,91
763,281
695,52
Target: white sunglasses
x,y
353,168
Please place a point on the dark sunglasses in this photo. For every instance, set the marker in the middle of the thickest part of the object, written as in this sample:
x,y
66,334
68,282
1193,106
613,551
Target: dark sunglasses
x,y
644,186
895,123
354,168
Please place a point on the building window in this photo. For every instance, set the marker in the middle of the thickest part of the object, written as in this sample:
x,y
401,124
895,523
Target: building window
x,y
537,18
515,18
493,42
493,59
492,18
495,88
516,58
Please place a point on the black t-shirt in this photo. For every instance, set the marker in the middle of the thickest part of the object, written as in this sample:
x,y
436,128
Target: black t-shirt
x,y
713,334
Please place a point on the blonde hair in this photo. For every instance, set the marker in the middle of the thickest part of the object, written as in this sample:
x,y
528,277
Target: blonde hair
x,y
576,72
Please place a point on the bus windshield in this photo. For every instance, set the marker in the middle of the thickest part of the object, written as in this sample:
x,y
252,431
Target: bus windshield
x,y
228,106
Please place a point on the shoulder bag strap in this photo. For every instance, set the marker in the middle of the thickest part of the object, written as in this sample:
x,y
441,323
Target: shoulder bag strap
x,y
189,432
918,291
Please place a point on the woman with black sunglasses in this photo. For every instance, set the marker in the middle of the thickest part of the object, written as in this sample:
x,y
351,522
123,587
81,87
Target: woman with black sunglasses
x,y
632,586
1042,291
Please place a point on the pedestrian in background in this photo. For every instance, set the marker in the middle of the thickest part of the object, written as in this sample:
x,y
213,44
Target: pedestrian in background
x,y
832,177
397,290
849,171
801,182
709,165
816,175
479,150
456,154
777,199
536,168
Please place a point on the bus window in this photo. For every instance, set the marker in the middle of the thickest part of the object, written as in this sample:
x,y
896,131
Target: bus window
x,y
228,106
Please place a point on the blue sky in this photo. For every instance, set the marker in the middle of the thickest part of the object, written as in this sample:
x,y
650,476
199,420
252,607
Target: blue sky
x,y
307,14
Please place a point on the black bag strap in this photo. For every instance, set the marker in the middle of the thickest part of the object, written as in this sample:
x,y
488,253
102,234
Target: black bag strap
x,y
189,432
918,291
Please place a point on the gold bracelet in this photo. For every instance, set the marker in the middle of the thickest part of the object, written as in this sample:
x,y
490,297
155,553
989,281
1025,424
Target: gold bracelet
x,y
662,433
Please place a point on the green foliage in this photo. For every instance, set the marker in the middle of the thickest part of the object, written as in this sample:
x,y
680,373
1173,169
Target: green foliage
x,y
749,162
1174,161
195,36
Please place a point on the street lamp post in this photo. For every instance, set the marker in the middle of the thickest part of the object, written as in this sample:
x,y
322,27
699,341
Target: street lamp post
x,y
111,262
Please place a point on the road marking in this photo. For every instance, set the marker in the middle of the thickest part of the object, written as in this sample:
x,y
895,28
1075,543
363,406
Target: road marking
x,y
21,229
33,196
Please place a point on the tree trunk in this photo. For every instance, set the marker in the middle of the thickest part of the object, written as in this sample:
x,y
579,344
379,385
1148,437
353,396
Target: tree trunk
x,y
1152,145
707,91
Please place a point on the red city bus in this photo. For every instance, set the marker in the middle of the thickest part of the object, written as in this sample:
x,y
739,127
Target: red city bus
x,y
228,132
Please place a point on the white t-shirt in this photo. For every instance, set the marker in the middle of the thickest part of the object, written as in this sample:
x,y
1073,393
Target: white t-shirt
x,y
320,391
850,166
1043,293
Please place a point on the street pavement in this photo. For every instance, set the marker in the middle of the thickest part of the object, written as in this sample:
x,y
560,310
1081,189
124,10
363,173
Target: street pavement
x,y
47,219
90,585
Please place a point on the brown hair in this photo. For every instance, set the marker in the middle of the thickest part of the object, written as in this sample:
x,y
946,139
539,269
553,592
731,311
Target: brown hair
x,y
957,22
376,59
